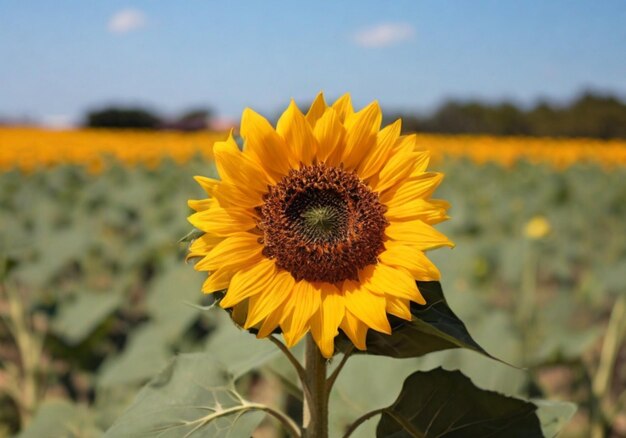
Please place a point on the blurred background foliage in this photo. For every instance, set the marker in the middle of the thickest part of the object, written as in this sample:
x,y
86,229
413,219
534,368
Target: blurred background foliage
x,y
96,297
591,114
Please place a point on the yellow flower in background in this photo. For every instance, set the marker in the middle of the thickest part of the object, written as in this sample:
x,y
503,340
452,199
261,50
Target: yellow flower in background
x,y
537,228
320,224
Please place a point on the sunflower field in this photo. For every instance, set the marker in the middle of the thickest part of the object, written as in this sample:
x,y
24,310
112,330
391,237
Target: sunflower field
x,y
96,298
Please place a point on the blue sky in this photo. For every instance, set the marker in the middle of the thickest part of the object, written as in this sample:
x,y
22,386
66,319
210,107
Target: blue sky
x,y
58,59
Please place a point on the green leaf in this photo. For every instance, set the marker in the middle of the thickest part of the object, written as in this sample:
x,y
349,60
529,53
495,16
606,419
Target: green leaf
x,y
167,298
61,419
441,403
350,398
238,350
554,415
191,236
55,249
498,334
434,327
145,355
193,397
79,317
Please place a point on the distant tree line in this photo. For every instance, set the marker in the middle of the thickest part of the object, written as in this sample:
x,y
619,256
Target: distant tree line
x,y
115,117
590,115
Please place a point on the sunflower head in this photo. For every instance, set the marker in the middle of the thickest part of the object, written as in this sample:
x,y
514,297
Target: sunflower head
x,y
319,224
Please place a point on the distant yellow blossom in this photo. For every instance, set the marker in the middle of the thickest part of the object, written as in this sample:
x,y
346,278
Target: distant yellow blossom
x,y
537,228
31,148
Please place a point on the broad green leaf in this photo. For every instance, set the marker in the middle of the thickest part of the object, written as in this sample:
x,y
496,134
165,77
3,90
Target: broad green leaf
x,y
79,317
61,419
167,298
193,397
434,327
554,415
143,357
499,335
442,403
54,250
351,398
238,350
563,345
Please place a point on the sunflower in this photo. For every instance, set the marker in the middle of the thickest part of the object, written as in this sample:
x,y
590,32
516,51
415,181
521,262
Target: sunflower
x,y
320,224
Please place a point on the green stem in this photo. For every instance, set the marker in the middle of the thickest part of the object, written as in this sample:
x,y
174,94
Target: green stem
x,y
608,355
315,415
354,426
527,298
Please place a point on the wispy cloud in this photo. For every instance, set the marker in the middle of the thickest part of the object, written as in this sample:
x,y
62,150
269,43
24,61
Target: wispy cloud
x,y
127,20
384,35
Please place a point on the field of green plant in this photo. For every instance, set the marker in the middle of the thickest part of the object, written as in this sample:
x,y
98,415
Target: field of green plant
x,y
96,298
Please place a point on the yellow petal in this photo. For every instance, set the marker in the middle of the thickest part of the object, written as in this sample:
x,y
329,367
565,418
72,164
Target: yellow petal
x,y
199,204
222,222
355,329
416,187
239,169
382,279
318,107
271,322
406,143
298,135
431,211
377,156
366,306
268,300
361,130
343,107
202,245
421,163
218,280
411,259
418,234
263,143
399,307
229,195
306,300
249,282
325,322
208,184
235,252
397,168
330,135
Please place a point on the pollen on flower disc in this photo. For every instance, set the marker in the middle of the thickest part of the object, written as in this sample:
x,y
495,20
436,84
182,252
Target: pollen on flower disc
x,y
322,223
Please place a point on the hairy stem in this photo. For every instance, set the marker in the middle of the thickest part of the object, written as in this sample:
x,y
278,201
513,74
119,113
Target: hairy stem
x,y
315,415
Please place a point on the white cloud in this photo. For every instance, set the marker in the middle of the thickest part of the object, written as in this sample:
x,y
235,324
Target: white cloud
x,y
384,35
126,20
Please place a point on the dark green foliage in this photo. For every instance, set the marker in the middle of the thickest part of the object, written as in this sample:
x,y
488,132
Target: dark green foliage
x,y
98,256
434,327
446,404
119,117
590,115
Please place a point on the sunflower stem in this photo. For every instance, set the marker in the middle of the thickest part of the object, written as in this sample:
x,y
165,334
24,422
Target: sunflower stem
x,y
315,415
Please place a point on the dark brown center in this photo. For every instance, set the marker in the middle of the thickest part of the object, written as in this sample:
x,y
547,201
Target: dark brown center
x,y
322,223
